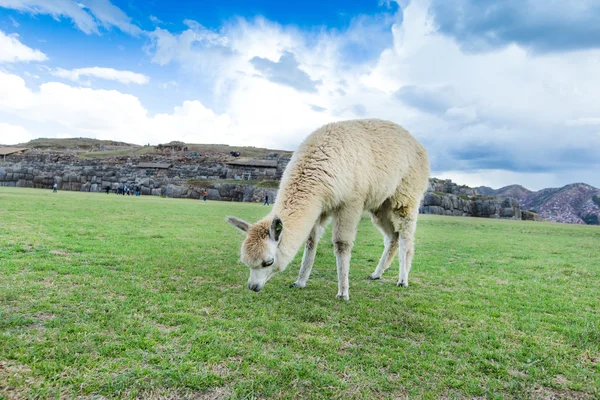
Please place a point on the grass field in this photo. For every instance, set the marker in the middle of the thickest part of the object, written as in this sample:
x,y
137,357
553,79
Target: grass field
x,y
122,297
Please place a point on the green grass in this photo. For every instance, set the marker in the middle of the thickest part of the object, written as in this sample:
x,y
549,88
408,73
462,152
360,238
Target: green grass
x,y
117,152
122,297
73,143
246,151
114,149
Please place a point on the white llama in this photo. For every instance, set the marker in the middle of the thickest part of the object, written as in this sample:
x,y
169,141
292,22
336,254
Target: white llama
x,y
339,171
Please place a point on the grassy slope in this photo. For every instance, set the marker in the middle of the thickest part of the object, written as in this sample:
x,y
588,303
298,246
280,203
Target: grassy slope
x,y
251,152
132,152
123,296
126,149
73,143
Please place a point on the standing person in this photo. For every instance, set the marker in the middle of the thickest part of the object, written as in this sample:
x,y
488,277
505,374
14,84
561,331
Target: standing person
x,y
266,203
107,189
124,189
54,187
204,194
137,190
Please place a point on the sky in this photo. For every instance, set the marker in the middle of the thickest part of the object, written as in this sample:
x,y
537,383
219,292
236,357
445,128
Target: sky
x,y
499,92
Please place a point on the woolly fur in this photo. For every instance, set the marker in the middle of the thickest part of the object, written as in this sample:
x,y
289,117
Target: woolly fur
x,y
339,171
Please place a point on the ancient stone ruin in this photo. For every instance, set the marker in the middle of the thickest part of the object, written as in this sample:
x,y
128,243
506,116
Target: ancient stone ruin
x,y
444,197
228,179
158,176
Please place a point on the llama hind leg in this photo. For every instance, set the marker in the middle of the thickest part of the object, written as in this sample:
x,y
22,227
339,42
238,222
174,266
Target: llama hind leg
x,y
407,248
389,251
308,258
383,218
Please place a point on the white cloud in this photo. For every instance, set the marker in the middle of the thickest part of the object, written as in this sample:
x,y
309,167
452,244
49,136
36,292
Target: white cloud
x,y
501,110
30,75
13,134
102,73
12,50
463,114
155,20
109,15
583,122
502,115
109,114
87,15
169,84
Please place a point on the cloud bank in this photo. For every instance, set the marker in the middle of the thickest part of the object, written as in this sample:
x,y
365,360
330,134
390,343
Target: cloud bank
x,y
504,90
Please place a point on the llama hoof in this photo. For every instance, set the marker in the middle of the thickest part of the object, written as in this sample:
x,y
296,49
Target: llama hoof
x,y
343,296
402,283
298,285
374,277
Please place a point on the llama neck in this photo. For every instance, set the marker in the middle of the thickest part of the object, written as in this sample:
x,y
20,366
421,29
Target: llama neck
x,y
299,217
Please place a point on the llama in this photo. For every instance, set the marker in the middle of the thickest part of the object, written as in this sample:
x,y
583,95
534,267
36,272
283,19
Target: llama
x,y
339,171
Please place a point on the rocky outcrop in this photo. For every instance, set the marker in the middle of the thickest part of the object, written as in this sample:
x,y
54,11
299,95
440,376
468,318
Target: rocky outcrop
x,y
450,204
528,215
449,187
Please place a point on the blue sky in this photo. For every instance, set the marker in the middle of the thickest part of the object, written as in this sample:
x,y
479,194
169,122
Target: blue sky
x,y
499,92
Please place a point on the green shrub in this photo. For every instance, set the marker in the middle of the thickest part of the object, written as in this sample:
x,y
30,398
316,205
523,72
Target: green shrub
x,y
591,219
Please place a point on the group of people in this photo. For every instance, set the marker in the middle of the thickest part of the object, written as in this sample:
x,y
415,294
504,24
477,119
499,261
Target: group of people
x,y
131,190
126,190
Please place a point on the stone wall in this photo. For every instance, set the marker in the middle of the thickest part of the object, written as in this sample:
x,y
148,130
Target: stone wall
x,y
217,191
72,173
450,204
255,173
259,173
185,180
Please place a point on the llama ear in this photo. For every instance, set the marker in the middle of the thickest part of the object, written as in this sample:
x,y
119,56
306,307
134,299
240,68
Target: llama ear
x,y
276,229
239,223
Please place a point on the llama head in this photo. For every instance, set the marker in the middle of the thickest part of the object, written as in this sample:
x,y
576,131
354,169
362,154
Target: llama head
x,y
260,249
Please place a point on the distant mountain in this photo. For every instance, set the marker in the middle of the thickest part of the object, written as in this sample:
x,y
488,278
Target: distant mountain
x,y
485,191
515,191
577,203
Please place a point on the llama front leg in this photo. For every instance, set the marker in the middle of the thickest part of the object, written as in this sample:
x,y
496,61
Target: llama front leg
x,y
344,232
308,258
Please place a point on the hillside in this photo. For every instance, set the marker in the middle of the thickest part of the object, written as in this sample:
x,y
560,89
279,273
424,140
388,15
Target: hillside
x,y
515,191
75,144
574,204
94,148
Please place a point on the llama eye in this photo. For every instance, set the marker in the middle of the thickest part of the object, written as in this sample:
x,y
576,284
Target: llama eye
x,y
267,263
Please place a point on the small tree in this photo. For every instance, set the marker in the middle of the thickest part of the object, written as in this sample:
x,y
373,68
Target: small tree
x,y
591,219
